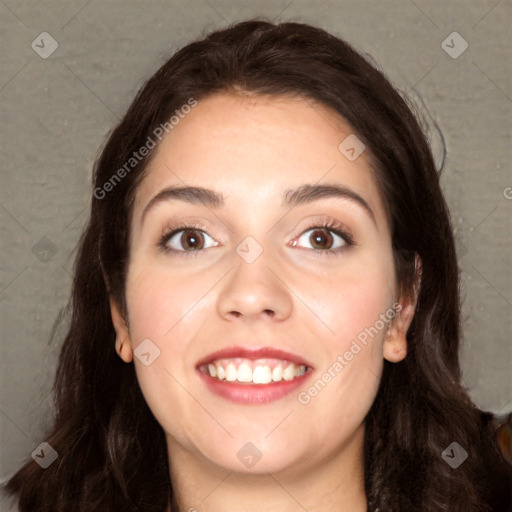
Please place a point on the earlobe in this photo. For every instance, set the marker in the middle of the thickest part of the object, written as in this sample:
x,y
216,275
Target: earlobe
x,y
395,344
123,344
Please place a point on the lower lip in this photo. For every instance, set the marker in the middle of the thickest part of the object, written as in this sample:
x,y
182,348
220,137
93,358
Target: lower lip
x,y
253,393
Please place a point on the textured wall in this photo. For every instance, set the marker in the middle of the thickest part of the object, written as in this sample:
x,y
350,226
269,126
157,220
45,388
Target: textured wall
x,y
57,110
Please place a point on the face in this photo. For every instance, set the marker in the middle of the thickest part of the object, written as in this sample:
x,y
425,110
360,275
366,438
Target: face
x,y
258,270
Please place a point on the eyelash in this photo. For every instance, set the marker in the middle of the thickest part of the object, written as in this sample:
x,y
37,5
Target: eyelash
x,y
331,226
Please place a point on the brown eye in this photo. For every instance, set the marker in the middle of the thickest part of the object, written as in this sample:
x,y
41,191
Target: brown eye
x,y
322,238
186,240
192,239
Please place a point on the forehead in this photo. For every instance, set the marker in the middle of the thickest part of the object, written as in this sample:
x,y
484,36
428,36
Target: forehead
x,y
251,148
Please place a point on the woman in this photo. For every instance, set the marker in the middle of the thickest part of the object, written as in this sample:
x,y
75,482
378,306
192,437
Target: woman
x,y
265,310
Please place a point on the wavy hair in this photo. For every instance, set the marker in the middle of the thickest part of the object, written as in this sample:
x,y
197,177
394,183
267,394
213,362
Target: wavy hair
x,y
111,450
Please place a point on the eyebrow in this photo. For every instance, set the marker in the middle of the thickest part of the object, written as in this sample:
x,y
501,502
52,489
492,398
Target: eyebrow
x,y
292,197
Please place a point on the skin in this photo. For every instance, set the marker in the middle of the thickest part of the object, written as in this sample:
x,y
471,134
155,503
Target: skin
x,y
251,148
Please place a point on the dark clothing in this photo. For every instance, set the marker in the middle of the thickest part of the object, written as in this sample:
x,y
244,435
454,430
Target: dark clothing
x,y
497,456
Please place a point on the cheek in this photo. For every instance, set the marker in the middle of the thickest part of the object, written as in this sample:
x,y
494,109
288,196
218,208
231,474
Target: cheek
x,y
168,311
161,306
347,381
354,307
362,328
353,299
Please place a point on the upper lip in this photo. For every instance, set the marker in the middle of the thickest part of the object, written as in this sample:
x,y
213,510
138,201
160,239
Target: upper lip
x,y
253,354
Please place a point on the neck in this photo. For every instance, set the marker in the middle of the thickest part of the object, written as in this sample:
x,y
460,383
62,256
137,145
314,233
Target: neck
x,y
334,484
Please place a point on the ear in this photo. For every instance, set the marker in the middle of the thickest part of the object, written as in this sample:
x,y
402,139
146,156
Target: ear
x,y
123,343
395,344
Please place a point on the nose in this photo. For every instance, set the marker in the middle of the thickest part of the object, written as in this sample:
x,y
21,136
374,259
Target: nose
x,y
256,290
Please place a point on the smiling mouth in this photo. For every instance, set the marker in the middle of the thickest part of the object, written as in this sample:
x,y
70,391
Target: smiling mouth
x,y
250,372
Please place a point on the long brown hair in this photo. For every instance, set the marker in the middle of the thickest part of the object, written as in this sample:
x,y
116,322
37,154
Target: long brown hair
x,y
111,451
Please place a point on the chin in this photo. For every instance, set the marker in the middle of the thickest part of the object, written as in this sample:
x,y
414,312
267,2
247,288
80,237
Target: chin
x,y
257,457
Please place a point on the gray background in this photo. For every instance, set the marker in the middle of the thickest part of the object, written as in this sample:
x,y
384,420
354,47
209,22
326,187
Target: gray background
x,y
57,111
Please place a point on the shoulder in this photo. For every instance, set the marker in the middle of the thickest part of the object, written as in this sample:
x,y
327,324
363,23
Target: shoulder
x,y
496,456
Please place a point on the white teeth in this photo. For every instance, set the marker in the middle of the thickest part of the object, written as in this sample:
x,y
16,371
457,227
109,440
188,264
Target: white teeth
x,y
262,375
277,373
256,372
244,373
221,373
231,372
289,372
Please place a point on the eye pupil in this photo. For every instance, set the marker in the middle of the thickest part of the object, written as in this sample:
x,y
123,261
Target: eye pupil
x,y
188,240
319,235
